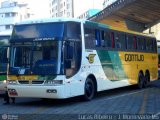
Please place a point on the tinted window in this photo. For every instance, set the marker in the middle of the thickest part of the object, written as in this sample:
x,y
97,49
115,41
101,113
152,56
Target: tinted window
x,y
106,39
154,45
141,43
73,30
119,40
149,44
130,42
46,30
97,38
89,37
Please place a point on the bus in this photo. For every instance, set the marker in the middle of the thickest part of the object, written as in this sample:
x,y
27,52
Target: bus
x,y
62,58
4,44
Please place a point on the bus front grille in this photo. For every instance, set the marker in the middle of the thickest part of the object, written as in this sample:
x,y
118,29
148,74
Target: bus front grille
x,y
30,82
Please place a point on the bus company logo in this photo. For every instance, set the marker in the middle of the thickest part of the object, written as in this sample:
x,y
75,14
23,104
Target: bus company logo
x,y
90,58
134,57
4,117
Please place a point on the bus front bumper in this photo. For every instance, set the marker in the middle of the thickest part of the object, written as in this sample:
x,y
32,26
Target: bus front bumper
x,y
55,92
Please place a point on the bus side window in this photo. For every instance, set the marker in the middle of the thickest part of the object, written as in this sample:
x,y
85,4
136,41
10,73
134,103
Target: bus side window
x,y
97,41
141,43
108,41
117,40
154,45
102,39
130,42
89,37
112,39
135,42
149,44
123,40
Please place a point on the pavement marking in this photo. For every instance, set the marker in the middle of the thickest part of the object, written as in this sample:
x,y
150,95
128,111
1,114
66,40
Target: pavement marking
x,y
39,110
126,94
144,102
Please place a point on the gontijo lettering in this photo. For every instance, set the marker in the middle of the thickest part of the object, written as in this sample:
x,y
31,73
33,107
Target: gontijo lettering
x,y
134,57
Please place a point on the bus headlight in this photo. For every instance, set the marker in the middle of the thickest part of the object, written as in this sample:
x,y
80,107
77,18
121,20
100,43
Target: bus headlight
x,y
53,82
5,81
12,82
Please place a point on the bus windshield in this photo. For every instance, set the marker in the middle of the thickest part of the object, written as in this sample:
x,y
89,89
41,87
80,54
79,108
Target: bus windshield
x,y
37,57
38,48
32,31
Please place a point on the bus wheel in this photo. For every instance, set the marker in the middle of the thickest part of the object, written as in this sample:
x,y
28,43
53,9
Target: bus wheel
x,y
89,89
146,80
140,80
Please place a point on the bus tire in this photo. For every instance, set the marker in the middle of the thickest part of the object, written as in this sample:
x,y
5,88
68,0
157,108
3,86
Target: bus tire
x,y
146,80
89,89
140,80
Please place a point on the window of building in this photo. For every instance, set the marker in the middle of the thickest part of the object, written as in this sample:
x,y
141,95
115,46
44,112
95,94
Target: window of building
x,y
7,14
61,5
13,14
68,14
61,14
7,27
68,6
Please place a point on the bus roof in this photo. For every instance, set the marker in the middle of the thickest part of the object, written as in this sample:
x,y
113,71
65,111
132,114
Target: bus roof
x,y
49,20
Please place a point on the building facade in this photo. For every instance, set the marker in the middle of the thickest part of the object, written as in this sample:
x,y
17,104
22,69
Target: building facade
x,y
61,8
73,8
11,12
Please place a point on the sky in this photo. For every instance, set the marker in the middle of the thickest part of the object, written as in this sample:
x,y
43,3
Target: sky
x,y
39,7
